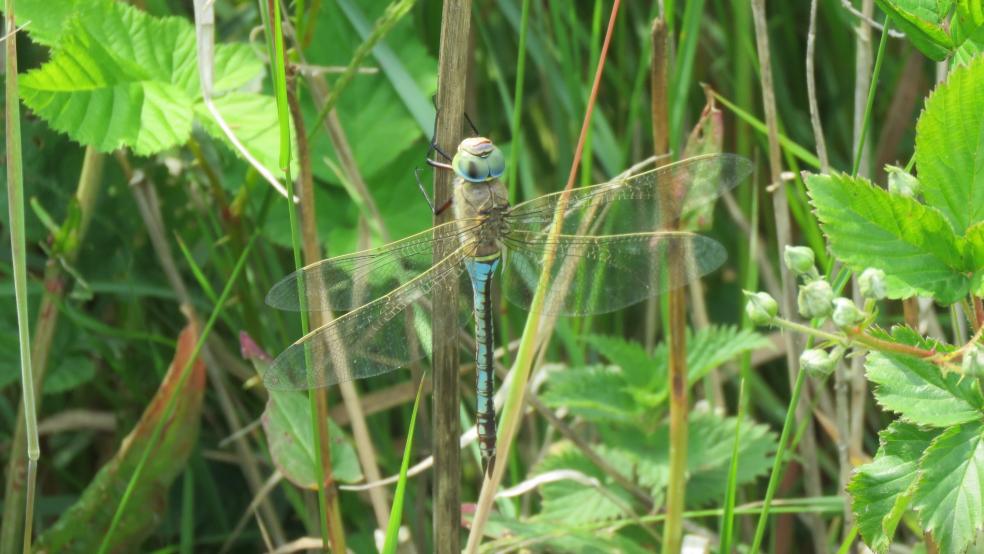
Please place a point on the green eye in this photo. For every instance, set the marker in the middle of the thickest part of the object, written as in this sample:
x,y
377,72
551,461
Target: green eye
x,y
497,163
470,168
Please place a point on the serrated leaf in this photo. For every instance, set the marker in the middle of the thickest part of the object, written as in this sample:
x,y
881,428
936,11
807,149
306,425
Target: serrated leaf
x,y
596,393
869,227
48,19
253,119
919,392
950,147
970,16
119,77
949,495
572,503
921,25
638,367
882,490
710,442
716,344
287,425
706,349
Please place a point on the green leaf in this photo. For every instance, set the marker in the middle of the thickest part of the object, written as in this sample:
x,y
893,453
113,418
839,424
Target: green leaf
x,y
81,528
869,227
706,349
122,78
638,367
596,393
921,25
950,147
253,119
950,493
919,392
287,424
48,19
573,503
72,372
970,16
709,447
882,490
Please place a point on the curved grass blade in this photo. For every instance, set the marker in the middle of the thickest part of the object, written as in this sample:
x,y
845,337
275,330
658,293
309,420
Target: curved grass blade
x,y
396,513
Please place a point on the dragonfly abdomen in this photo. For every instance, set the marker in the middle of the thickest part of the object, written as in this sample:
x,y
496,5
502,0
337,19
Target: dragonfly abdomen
x,y
480,271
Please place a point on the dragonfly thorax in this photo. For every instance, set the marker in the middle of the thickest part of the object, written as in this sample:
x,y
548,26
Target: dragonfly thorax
x,y
485,202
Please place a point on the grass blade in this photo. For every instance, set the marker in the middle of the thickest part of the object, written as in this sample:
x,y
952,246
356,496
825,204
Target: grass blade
x,y
396,513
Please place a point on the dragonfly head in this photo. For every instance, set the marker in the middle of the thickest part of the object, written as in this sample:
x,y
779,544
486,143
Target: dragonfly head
x,y
478,160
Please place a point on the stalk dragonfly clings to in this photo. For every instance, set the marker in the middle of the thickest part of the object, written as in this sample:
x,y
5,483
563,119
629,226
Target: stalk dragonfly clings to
x,y
613,247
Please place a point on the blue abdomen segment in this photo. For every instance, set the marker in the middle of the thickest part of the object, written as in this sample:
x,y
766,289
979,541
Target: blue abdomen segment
x,y
481,272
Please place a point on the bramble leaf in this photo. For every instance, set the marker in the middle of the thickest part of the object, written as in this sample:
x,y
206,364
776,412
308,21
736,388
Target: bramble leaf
x,y
919,392
950,147
949,495
119,77
882,490
921,24
913,244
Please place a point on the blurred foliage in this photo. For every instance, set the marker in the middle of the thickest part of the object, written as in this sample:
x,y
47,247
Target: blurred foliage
x,y
119,318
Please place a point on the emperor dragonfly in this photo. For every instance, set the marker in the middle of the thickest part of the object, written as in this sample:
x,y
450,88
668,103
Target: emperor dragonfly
x,y
611,250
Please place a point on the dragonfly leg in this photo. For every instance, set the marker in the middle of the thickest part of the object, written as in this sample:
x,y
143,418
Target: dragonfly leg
x,y
434,209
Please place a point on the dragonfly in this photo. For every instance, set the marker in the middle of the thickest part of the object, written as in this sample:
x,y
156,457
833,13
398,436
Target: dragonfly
x,y
602,247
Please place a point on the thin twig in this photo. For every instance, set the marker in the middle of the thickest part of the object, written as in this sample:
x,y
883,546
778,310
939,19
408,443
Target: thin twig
x,y
149,208
452,71
532,338
811,90
784,238
866,18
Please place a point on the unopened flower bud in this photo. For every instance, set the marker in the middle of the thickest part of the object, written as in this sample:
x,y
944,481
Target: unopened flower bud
x,y
871,283
846,313
760,307
901,182
799,259
816,363
973,361
814,299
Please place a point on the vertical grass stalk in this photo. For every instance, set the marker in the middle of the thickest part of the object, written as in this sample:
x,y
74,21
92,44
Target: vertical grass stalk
x,y
531,339
452,73
18,253
172,399
784,237
329,523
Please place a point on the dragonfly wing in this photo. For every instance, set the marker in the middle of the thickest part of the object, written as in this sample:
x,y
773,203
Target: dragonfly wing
x,y
390,332
599,274
646,202
349,281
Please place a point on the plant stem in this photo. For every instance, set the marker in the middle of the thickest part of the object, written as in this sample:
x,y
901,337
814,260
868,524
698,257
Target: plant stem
x,y
172,399
54,287
18,254
770,491
677,324
783,238
452,72
530,342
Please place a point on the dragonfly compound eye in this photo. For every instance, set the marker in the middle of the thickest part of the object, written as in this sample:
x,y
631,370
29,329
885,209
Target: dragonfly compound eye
x,y
470,167
496,162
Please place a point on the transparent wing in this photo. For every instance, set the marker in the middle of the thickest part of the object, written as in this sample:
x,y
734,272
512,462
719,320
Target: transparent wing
x,y
390,332
349,281
598,274
646,202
